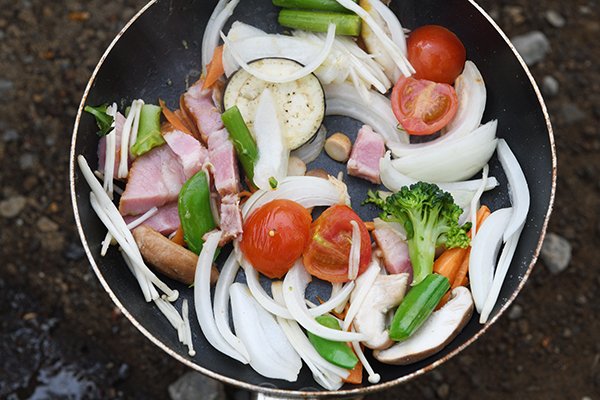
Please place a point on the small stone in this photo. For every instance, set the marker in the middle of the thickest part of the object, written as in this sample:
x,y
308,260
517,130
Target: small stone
x,y
515,312
45,224
555,19
74,252
533,46
10,135
443,391
193,385
556,253
571,113
427,393
123,372
27,161
550,86
6,87
12,207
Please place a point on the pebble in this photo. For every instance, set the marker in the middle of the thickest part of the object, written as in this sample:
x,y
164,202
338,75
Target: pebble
x,y
193,385
533,46
443,391
74,252
27,161
571,113
45,224
550,86
555,19
556,253
515,312
6,87
12,207
10,135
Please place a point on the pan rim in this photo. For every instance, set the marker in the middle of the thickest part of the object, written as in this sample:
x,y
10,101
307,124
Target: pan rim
x,y
299,393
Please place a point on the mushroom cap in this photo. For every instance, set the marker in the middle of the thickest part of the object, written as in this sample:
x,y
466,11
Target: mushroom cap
x,y
439,330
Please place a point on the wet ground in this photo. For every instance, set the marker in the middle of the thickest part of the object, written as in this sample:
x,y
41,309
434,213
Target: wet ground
x,y
60,336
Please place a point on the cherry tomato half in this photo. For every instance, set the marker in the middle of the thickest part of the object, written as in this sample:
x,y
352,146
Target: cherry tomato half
x,y
423,107
275,236
326,256
436,53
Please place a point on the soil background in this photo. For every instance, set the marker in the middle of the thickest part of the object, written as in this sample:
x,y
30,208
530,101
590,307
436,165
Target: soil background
x,y
61,337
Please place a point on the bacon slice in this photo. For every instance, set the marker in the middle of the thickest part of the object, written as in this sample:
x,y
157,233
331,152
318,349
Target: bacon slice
x,y
366,153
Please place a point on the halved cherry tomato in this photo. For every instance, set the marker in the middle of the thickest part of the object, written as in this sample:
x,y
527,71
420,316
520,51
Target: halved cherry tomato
x,y
436,53
423,107
275,236
330,239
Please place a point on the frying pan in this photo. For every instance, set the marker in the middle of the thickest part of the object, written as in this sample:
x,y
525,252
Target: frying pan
x,y
157,54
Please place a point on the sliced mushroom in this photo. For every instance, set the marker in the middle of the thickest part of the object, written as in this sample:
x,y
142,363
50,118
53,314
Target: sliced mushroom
x,y
441,327
171,259
385,294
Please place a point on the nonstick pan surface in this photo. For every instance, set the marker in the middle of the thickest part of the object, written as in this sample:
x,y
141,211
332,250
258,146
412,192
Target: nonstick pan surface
x,y
157,54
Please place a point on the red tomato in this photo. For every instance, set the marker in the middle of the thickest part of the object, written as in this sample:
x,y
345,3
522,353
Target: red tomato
x,y
329,249
423,107
436,53
275,236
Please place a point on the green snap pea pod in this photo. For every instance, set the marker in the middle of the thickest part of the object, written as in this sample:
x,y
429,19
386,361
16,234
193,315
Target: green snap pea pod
x,y
321,5
317,21
337,353
148,134
242,139
417,305
194,211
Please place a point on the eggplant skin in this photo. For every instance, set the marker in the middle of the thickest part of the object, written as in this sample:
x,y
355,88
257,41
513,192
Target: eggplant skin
x,y
301,102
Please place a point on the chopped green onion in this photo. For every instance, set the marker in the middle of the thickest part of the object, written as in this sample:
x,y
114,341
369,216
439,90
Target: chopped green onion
x,y
315,21
103,120
273,183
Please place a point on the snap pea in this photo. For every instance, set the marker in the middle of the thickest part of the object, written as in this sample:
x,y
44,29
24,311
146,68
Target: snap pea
x,y
322,5
337,353
243,142
317,21
148,134
194,211
417,305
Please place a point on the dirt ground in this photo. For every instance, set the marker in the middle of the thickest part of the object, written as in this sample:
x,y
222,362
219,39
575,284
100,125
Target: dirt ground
x,y
59,331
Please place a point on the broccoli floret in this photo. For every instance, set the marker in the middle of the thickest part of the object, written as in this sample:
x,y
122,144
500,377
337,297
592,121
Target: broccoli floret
x,y
430,218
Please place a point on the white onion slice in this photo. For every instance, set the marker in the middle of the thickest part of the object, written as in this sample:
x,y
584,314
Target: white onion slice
x,y
308,191
354,257
476,198
394,51
363,284
218,18
310,151
221,306
392,22
298,74
202,300
273,154
271,355
294,285
503,264
517,188
484,250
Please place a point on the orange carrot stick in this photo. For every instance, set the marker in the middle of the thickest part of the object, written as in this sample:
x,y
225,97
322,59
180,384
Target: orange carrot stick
x,y
356,374
448,263
173,118
214,69
178,238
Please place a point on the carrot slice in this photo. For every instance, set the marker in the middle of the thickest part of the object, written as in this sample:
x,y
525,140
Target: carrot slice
x,y
370,225
356,374
448,263
214,69
178,238
173,118
186,116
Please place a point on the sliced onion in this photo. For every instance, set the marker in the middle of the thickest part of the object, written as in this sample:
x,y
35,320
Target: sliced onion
x,y
218,18
202,300
221,306
484,250
271,355
517,188
476,198
298,74
471,92
354,257
294,285
308,191
506,257
311,150
392,22
366,60
273,153
363,285
455,161
394,51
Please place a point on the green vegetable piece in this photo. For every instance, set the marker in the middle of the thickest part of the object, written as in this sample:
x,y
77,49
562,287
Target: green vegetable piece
x,y
321,5
148,135
337,353
194,211
242,139
430,218
273,183
417,306
317,21
103,120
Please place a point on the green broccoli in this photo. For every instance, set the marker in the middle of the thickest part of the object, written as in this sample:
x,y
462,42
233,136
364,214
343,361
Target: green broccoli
x,y
430,218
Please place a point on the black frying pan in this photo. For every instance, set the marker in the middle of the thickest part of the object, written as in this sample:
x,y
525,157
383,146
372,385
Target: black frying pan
x,y
158,54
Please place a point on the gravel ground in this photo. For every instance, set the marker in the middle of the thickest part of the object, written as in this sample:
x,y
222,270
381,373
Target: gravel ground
x,y
60,335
